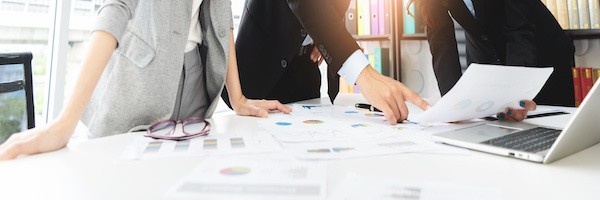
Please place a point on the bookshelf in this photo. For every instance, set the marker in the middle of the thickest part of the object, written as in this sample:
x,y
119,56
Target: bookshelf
x,y
564,19
381,41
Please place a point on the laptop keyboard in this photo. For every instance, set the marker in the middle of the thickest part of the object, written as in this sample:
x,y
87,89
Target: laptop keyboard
x,y
531,140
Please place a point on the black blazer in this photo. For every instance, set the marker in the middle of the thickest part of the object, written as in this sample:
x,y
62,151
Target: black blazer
x,y
271,33
507,32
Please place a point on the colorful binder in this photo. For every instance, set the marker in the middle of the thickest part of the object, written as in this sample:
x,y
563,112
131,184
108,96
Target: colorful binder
x,y
364,21
374,17
351,18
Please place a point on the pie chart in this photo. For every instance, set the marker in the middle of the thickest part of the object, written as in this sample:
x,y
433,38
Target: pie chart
x,y
235,171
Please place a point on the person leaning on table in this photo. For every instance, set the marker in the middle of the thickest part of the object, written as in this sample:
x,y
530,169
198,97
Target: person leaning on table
x,y
502,32
172,60
280,41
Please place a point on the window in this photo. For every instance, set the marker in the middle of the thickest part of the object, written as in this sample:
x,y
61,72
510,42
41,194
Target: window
x,y
25,27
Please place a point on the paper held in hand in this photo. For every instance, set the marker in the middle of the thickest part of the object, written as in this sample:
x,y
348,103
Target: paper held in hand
x,y
485,90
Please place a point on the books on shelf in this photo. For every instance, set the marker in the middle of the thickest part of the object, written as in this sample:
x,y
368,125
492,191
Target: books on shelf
x,y
575,14
583,80
351,16
369,17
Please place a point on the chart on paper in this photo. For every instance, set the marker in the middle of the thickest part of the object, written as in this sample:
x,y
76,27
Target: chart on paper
x,y
144,148
261,176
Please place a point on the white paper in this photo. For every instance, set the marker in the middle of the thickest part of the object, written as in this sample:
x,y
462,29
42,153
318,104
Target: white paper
x,y
219,144
359,148
362,187
267,176
484,90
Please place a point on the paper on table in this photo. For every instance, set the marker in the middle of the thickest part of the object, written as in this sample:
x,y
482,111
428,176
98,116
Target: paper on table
x,y
363,187
484,90
265,176
215,144
358,148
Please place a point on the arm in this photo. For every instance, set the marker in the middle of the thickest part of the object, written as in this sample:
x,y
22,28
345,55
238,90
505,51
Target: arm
x,y
324,22
57,134
240,104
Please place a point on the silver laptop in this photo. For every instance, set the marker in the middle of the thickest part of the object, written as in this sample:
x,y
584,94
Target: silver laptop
x,y
533,142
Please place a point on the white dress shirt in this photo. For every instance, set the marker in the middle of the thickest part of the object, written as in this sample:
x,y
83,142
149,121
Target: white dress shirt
x,y
195,34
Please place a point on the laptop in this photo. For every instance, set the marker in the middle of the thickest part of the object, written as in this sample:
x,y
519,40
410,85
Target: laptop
x,y
533,142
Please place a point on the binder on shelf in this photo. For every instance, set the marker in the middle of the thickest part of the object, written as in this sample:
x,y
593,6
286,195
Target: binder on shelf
x,y
594,13
586,81
351,18
573,14
551,4
387,6
374,17
409,21
356,90
596,75
577,85
371,58
382,60
584,14
563,13
382,17
364,21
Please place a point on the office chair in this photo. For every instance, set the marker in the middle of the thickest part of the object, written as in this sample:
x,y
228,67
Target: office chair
x,y
16,94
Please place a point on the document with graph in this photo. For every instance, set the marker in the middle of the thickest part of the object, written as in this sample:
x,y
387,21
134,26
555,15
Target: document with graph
x,y
259,176
215,144
484,90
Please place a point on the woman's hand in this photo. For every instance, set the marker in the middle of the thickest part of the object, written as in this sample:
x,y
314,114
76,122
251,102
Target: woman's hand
x,y
517,115
37,140
258,108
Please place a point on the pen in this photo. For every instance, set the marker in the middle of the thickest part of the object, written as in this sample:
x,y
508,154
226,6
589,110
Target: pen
x,y
367,107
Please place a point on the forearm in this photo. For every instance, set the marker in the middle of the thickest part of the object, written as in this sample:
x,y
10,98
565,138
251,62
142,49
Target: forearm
x,y
233,80
98,53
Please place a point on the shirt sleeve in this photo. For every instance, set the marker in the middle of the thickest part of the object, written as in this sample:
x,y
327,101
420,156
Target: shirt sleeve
x,y
113,17
353,66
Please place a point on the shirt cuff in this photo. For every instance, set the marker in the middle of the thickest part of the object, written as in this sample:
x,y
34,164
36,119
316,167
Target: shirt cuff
x,y
353,66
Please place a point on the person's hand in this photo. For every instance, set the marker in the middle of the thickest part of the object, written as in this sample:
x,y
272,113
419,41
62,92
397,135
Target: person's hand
x,y
259,108
388,95
315,55
37,140
517,115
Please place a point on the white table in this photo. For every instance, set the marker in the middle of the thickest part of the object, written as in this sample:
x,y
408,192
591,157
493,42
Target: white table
x,y
91,169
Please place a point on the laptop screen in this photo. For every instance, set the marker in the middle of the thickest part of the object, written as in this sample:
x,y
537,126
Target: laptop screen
x,y
13,100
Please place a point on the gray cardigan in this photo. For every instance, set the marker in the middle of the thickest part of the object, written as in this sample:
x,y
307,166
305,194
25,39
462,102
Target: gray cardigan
x,y
139,84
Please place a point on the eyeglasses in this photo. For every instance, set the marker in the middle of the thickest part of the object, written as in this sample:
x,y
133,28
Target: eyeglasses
x,y
191,127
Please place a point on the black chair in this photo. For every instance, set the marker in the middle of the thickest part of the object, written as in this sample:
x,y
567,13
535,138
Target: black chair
x,y
16,94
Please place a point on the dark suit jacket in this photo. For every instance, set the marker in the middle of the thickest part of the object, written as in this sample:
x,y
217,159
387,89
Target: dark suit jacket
x,y
507,32
270,36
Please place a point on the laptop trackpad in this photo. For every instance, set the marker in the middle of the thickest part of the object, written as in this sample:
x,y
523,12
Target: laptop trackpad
x,y
480,133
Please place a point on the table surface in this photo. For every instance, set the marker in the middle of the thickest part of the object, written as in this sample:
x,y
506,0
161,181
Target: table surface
x,y
90,169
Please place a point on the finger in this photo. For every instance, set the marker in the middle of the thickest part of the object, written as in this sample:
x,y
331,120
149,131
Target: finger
x,y
320,60
414,98
276,105
528,105
393,104
517,114
502,116
389,114
11,151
